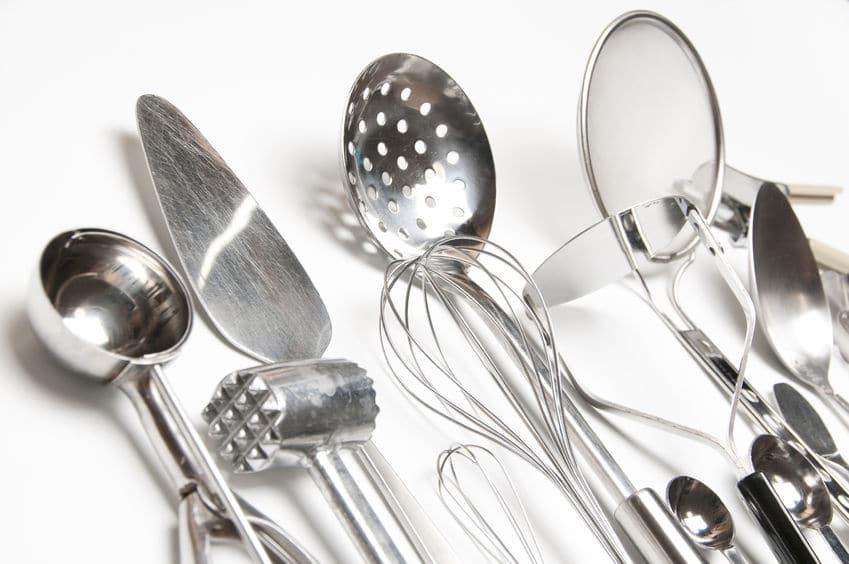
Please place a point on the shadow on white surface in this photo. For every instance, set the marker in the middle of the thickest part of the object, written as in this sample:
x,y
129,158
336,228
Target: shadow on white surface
x,y
328,207
37,364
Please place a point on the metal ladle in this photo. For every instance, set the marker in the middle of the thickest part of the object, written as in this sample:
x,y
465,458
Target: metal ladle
x,y
110,308
799,486
702,513
417,167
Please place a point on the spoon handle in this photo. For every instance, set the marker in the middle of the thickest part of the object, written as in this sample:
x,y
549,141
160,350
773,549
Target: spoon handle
x,y
734,556
182,452
786,539
835,544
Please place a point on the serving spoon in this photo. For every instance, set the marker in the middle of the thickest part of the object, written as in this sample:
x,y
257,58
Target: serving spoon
x,y
788,293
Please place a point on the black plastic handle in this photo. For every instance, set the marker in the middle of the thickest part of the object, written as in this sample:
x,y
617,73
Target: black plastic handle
x,y
788,543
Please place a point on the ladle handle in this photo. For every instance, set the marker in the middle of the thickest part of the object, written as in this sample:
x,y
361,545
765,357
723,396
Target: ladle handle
x,y
786,539
188,463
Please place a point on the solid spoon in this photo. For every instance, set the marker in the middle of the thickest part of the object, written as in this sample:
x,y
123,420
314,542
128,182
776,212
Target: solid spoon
x,y
788,293
704,515
417,167
799,486
110,308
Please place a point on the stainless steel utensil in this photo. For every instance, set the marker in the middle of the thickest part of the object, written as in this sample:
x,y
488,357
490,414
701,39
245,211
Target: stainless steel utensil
x,y
787,290
702,513
805,420
650,126
110,308
628,243
245,276
317,414
417,167
799,485
502,391
641,37
477,489
260,298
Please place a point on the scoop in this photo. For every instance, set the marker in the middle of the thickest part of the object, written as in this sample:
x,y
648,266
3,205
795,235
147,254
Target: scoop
x,y
788,293
799,486
108,307
417,168
702,513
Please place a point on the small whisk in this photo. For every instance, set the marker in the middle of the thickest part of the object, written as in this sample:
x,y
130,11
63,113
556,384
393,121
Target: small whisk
x,y
426,337
469,472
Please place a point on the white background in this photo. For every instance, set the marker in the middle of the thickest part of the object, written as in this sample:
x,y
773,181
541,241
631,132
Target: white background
x,y
266,83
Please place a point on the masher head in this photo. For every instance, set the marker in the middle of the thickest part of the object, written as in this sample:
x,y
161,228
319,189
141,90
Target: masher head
x,y
287,411
415,157
101,301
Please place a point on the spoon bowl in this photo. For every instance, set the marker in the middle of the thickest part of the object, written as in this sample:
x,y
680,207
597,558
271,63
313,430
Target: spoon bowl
x,y
701,512
797,482
102,301
416,160
788,291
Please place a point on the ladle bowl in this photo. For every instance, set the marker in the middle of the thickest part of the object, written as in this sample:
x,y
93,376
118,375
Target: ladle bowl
x,y
102,300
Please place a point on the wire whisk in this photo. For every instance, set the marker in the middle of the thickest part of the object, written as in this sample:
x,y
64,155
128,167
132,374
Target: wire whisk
x,y
458,297
470,472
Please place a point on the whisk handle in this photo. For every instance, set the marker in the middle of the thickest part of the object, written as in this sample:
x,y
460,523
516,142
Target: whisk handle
x,y
787,541
654,532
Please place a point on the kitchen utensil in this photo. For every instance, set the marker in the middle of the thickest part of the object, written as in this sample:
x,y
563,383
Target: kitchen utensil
x,y
583,265
627,243
317,414
650,126
808,424
224,239
110,308
702,513
500,391
417,167
787,290
799,485
470,472
258,294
